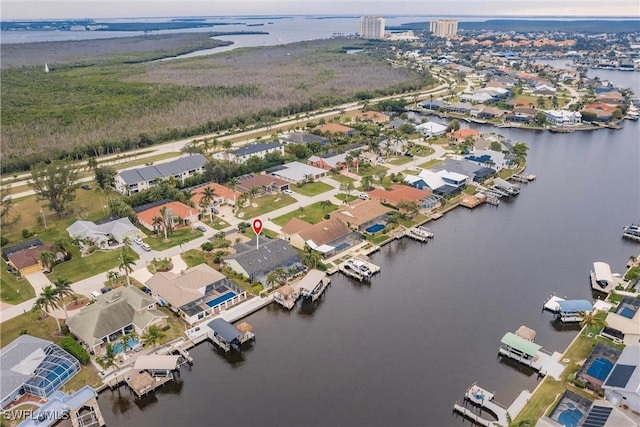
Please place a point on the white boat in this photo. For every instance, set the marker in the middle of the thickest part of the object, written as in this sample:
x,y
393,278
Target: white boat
x,y
631,232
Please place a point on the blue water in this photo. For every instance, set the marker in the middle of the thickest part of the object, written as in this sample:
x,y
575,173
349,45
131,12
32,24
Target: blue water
x,y
221,299
570,417
375,228
119,348
600,368
627,312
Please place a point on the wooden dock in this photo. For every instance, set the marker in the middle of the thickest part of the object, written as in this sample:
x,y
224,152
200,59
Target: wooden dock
x,y
470,202
142,383
483,399
359,269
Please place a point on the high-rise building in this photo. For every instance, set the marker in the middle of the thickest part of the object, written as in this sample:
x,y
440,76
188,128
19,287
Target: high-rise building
x,y
372,27
444,27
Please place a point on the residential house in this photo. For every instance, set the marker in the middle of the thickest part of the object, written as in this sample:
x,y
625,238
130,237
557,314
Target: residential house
x,y
328,237
544,90
138,179
335,128
33,366
563,117
256,149
222,194
613,97
444,182
302,138
429,129
266,184
361,214
433,104
622,386
459,136
474,170
485,112
178,214
521,115
603,112
624,322
396,123
114,314
400,193
25,256
372,117
459,107
297,172
489,158
256,263
330,161
107,234
195,293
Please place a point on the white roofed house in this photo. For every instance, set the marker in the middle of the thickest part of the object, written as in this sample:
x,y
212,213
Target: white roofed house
x,y
102,235
135,180
260,150
429,129
563,117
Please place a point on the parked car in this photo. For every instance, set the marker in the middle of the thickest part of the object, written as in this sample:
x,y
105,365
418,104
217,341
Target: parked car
x,y
363,196
95,293
146,247
105,289
287,192
215,211
138,241
85,187
201,228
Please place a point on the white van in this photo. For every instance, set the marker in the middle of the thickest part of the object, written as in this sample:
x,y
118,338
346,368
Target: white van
x,y
363,196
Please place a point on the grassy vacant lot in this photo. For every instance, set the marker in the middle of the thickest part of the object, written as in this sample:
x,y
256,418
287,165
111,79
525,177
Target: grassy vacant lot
x,y
264,204
341,178
312,188
127,105
312,214
431,163
14,290
29,322
402,160
181,235
79,268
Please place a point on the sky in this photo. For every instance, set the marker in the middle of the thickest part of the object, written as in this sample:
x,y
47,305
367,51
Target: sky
x,y
56,9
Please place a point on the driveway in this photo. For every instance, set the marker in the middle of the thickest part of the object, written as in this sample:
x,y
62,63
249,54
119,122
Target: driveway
x,y
38,281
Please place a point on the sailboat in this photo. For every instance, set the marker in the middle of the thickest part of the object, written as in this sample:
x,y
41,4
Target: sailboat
x,y
46,68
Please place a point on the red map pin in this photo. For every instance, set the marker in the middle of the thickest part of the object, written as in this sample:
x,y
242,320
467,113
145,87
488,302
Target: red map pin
x,y
257,226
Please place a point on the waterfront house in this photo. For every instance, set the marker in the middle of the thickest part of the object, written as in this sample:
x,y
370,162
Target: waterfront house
x,y
297,172
258,149
256,263
330,161
266,184
303,138
622,386
444,182
178,214
563,117
222,194
361,214
459,136
400,193
429,129
623,324
612,97
488,158
329,237
114,314
131,181
597,366
25,256
458,107
602,111
432,105
104,235
485,112
194,293
33,366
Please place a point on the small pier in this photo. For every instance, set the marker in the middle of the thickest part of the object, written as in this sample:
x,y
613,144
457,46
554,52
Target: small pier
x,y
286,296
312,285
481,398
142,383
531,354
436,215
419,233
359,269
229,337
506,187
470,202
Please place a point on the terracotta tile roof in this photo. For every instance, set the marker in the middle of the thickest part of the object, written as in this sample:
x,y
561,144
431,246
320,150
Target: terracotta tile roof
x,y
220,190
325,232
360,212
259,181
399,193
600,106
294,226
179,209
182,288
373,116
27,257
462,134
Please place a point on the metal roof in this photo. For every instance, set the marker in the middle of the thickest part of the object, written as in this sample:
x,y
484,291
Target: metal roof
x,y
157,362
518,343
602,271
250,149
574,306
226,330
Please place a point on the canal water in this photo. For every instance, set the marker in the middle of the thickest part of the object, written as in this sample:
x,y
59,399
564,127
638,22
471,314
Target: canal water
x,y
402,350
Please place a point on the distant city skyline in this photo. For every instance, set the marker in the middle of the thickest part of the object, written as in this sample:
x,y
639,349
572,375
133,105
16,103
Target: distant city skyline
x,y
76,9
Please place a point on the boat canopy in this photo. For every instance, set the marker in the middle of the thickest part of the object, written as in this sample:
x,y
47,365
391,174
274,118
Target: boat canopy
x,y
518,343
602,272
574,306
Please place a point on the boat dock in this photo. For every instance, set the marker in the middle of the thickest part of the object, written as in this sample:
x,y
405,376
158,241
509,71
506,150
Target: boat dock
x,y
470,202
142,383
531,354
524,179
312,285
631,232
419,233
359,269
481,398
286,296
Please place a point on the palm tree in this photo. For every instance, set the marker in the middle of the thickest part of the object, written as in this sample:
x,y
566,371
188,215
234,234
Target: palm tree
x,y
127,338
126,263
346,188
47,260
126,241
153,336
272,279
325,204
253,192
381,176
591,321
108,359
63,288
367,183
157,223
48,300
164,212
112,276
311,258
208,197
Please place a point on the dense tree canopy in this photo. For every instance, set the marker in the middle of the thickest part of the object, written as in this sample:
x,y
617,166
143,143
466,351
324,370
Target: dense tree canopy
x,y
56,183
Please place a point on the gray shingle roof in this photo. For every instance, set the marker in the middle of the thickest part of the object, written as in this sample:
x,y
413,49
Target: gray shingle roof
x,y
163,170
13,354
250,149
305,138
273,253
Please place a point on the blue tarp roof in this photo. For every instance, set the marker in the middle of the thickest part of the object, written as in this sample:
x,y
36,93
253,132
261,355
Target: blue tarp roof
x,y
575,305
225,329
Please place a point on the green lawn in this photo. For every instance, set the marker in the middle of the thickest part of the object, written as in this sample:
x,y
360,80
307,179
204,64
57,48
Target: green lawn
x,y
311,188
345,198
88,375
422,150
14,290
341,178
193,257
176,326
79,268
181,235
264,205
470,190
28,323
379,238
506,173
400,160
431,163
372,170
410,222
312,214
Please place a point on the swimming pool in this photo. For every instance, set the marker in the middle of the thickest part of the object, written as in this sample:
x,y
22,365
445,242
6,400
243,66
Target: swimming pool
x,y
374,228
119,348
221,299
570,417
627,312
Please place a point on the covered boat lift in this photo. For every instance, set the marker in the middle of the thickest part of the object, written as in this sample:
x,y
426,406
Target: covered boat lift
x,y
572,310
601,278
226,336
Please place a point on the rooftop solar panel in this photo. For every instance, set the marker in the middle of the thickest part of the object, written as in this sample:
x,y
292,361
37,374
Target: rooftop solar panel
x,y
597,416
620,375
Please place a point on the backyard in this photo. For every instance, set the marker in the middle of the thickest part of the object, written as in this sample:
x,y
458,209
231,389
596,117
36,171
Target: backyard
x,y
312,214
